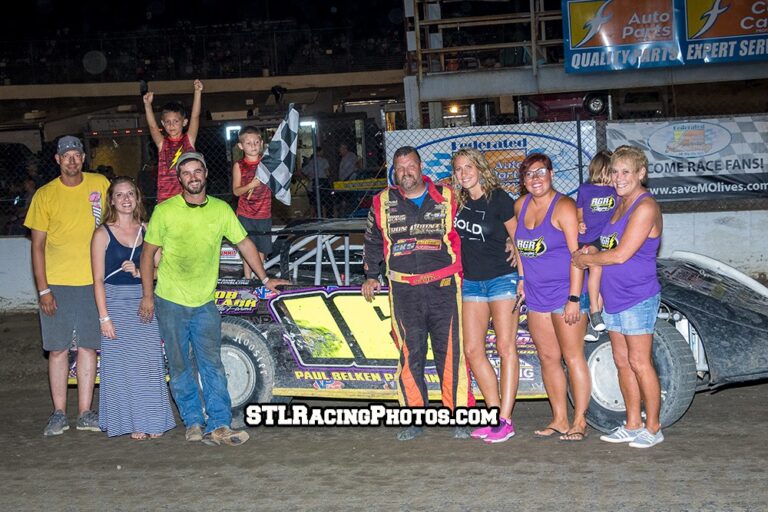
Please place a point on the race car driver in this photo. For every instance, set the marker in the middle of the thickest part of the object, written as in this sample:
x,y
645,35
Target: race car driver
x,y
410,228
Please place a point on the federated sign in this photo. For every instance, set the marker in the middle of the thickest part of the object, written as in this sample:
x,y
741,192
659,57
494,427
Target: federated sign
x,y
701,159
627,34
504,147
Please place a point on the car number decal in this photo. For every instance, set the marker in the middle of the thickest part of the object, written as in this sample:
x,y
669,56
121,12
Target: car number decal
x,y
337,328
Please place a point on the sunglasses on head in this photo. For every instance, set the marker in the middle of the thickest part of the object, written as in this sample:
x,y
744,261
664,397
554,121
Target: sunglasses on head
x,y
197,205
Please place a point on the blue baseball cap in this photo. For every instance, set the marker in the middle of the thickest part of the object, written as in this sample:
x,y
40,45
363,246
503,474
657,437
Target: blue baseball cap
x,y
69,143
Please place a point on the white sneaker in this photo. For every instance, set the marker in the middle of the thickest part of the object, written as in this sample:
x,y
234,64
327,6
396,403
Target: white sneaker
x,y
596,321
592,335
622,434
646,439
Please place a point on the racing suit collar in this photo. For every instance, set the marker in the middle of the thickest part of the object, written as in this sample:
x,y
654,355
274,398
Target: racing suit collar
x,y
431,190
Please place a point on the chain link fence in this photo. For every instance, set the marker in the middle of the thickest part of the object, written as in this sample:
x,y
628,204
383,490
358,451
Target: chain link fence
x,y
341,165
340,190
345,159
570,145
22,172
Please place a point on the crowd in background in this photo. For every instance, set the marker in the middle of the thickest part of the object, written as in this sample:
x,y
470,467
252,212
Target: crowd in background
x,y
250,48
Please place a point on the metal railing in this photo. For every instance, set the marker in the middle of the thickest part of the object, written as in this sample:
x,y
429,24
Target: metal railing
x,y
513,39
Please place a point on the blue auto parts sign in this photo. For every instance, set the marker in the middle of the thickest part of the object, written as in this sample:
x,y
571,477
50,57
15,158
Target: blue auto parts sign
x,y
725,30
620,34
626,34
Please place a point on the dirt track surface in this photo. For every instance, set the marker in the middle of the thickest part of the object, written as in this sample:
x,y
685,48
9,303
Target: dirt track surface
x,y
714,459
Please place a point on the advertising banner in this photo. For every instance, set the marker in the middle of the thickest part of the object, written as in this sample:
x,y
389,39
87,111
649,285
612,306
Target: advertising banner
x,y
702,159
626,34
725,31
620,34
504,147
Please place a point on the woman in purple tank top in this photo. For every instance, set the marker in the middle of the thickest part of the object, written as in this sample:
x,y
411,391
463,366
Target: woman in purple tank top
x,y
546,235
631,293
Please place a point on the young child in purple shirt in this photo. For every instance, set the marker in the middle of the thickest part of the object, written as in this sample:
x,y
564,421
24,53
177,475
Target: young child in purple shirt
x,y
595,203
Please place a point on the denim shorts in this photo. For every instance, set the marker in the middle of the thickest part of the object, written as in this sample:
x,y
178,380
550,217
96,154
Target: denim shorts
x,y
499,288
639,319
583,305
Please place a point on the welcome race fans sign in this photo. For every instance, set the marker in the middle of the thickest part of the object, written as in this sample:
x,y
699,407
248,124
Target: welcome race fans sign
x,y
701,159
627,34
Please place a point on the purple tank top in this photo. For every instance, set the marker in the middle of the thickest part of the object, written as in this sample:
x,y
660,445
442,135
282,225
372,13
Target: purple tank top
x,y
630,283
597,203
546,261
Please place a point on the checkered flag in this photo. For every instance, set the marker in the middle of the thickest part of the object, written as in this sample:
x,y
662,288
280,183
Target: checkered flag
x,y
277,164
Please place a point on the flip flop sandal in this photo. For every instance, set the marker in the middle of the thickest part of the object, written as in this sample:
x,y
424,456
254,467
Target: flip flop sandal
x,y
139,436
568,437
554,433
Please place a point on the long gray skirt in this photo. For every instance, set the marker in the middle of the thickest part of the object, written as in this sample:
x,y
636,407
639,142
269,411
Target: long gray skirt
x,y
133,394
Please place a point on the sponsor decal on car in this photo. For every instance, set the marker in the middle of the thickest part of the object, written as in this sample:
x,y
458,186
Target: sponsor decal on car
x,y
234,302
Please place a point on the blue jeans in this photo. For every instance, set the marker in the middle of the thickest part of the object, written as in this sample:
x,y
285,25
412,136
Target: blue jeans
x,y
182,327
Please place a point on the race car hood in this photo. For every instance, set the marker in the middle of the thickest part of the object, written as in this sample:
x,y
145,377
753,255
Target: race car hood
x,y
730,318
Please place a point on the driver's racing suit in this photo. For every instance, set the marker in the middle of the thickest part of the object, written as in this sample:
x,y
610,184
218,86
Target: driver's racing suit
x,y
421,251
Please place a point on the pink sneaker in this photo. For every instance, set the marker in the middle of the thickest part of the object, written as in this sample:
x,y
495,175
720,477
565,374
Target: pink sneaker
x,y
481,433
504,431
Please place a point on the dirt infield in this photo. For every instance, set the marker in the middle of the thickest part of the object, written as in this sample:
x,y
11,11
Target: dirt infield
x,y
714,459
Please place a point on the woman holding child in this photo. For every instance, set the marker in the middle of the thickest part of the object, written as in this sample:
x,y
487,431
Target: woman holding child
x,y
631,293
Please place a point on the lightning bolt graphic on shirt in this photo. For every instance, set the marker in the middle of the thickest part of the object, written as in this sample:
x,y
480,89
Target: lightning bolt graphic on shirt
x,y
176,156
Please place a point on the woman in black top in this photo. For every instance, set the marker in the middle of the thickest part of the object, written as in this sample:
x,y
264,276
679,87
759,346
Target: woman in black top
x,y
484,220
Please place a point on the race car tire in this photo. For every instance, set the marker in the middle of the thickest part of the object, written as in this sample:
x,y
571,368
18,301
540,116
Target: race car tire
x,y
249,365
675,366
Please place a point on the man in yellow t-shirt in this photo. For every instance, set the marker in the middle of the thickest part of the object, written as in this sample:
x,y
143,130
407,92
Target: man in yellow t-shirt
x,y
62,216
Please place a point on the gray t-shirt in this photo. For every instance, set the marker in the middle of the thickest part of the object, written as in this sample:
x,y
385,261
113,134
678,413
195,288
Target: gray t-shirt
x,y
322,168
347,166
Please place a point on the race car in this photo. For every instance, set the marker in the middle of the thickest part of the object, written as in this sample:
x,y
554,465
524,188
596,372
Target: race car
x,y
320,338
